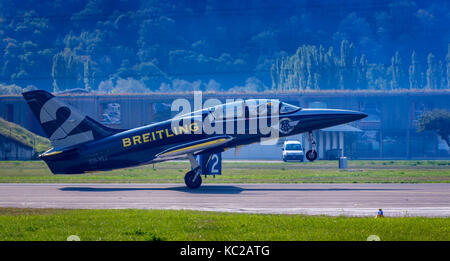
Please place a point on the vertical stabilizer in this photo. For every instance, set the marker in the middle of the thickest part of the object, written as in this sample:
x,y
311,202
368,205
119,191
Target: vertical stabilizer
x,y
62,123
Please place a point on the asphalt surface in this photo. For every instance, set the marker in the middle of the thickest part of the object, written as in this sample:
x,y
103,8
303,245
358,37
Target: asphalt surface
x,y
313,199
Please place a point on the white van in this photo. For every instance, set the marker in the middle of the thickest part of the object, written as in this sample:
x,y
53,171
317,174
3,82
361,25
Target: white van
x,y
293,150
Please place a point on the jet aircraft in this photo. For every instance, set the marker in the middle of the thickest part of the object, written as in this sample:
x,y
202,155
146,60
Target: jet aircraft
x,y
83,145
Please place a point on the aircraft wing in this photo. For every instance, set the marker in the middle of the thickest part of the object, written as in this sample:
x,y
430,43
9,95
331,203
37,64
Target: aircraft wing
x,y
195,146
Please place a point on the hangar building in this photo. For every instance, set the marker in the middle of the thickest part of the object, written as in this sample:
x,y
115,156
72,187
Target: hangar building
x,y
389,132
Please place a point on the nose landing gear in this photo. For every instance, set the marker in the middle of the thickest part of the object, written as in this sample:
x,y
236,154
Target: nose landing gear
x,y
311,155
193,178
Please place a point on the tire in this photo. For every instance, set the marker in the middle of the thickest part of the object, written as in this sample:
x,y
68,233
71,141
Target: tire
x,y
311,155
191,184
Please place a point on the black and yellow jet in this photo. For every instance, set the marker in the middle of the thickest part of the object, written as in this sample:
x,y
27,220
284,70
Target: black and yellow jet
x,y
81,145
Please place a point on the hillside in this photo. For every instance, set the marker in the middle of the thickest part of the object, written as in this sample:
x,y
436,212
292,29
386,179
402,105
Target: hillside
x,y
150,46
22,135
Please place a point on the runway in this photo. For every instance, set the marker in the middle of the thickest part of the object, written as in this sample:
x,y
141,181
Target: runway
x,y
430,200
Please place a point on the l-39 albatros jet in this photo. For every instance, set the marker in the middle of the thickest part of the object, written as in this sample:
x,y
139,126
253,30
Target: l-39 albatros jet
x,y
82,145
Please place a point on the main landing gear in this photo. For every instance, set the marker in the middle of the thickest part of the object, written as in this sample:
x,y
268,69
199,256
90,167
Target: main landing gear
x,y
311,155
193,178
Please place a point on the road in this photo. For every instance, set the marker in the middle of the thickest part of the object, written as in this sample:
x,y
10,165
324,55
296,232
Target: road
x,y
313,199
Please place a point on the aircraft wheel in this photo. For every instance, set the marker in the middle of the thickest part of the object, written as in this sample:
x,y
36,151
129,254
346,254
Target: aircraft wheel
x,y
189,180
311,155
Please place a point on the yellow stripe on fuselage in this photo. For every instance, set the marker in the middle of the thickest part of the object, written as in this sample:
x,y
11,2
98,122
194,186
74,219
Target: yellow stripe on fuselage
x,y
52,153
194,146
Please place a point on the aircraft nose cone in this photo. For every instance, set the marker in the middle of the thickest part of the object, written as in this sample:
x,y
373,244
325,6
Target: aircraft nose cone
x,y
355,115
349,116
323,118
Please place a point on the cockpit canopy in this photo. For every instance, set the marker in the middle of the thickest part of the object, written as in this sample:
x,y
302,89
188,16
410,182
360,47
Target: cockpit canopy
x,y
288,108
247,108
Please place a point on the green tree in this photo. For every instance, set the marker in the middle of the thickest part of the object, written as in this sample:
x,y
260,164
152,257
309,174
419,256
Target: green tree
x,y
432,72
447,58
414,72
347,64
396,73
68,71
362,73
436,120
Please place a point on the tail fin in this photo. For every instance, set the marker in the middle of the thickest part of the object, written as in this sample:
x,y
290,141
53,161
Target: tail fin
x,y
62,124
